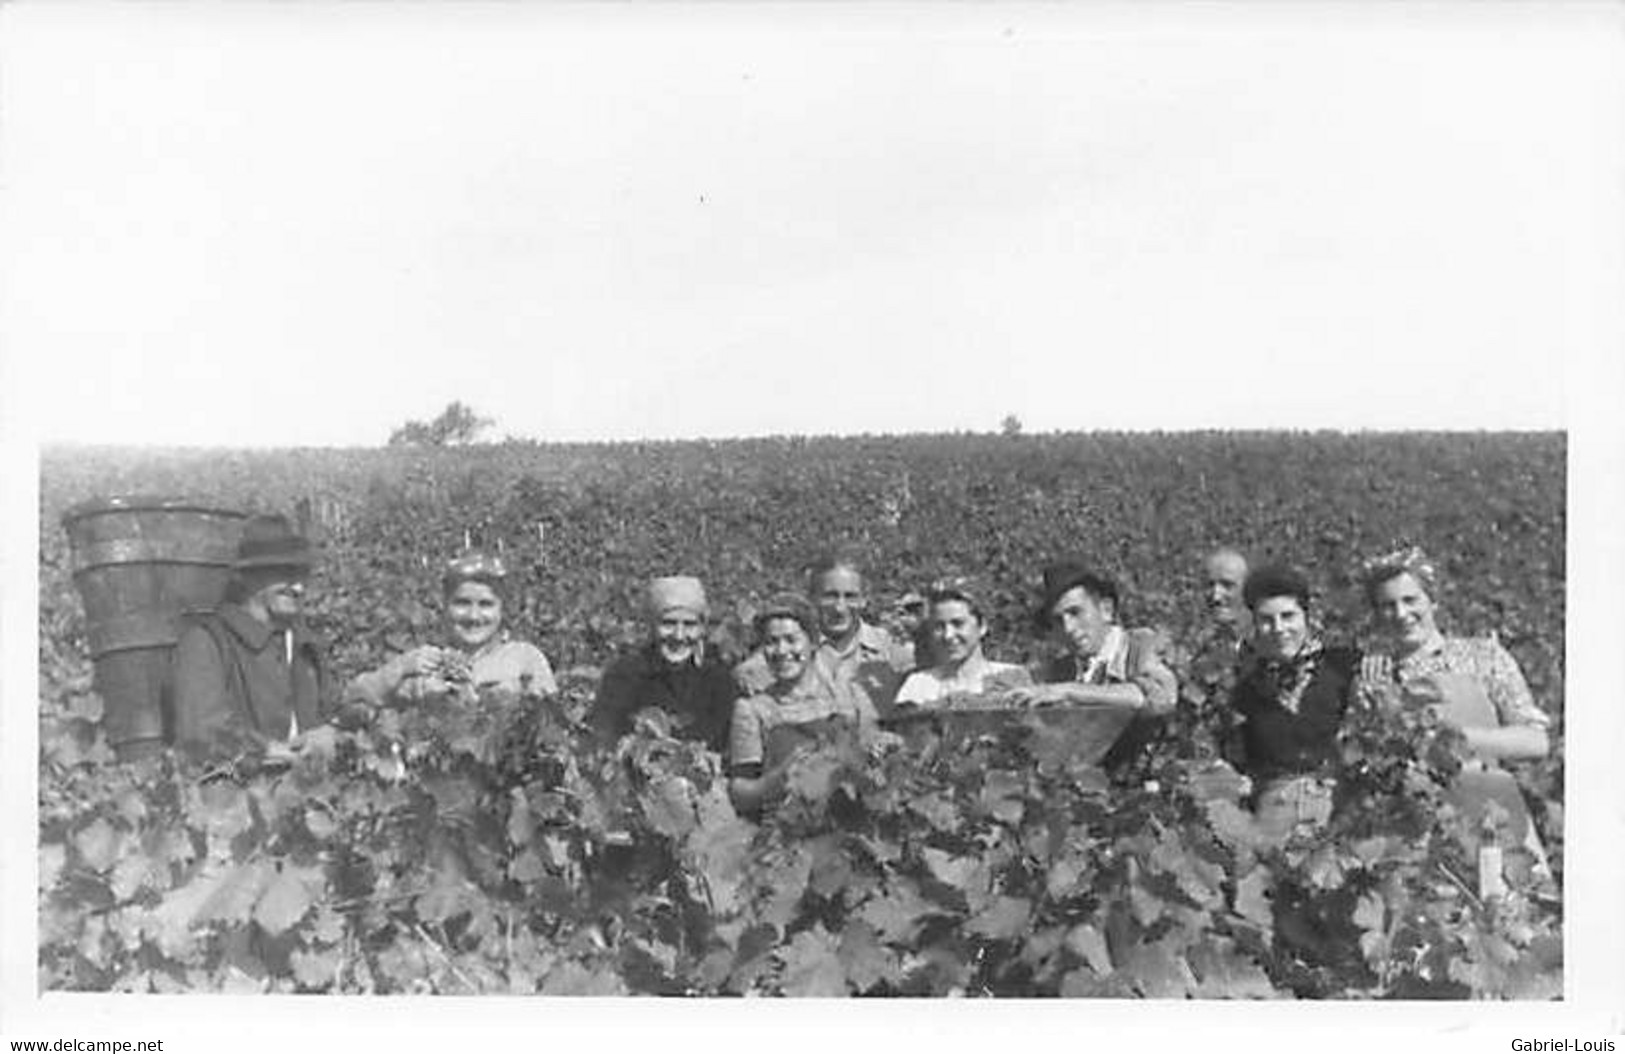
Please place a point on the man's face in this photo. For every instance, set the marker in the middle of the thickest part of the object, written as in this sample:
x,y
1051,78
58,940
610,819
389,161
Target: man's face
x,y
283,596
1224,574
838,595
911,615
678,633
1082,621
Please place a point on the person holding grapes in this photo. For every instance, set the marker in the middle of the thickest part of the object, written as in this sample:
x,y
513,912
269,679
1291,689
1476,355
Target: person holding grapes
x,y
479,653
1472,683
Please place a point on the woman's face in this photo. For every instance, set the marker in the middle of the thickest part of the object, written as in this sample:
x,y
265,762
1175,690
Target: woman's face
x,y
678,633
474,611
1404,611
1280,627
787,647
956,631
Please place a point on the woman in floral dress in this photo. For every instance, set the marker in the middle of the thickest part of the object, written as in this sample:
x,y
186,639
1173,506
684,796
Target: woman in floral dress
x,y
1473,682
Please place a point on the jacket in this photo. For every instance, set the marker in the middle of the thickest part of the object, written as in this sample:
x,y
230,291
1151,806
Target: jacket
x,y
232,684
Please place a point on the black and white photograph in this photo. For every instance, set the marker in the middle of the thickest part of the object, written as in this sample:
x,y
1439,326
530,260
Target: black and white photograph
x,y
1042,522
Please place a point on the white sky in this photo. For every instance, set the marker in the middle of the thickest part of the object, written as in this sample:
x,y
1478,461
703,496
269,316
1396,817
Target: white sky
x,y
306,223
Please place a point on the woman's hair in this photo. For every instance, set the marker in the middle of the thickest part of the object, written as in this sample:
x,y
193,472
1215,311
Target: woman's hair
x,y
1275,580
944,592
475,567
786,605
1389,566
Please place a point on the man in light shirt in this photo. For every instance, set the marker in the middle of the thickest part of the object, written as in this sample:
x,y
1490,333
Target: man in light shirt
x,y
849,648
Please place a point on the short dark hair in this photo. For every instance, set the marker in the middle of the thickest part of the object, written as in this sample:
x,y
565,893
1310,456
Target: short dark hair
x,y
1275,580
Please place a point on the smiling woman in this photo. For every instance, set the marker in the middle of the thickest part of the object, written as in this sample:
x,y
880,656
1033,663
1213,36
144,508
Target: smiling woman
x,y
480,654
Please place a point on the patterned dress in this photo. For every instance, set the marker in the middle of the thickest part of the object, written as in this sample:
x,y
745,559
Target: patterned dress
x,y
1476,683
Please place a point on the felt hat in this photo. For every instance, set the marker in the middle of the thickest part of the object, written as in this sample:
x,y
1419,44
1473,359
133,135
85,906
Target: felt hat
x,y
1062,577
271,542
680,592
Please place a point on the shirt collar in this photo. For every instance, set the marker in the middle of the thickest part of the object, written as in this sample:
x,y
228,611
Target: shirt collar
x,y
861,640
1109,659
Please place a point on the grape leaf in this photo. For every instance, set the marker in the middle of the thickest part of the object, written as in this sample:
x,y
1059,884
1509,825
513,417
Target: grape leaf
x,y
812,965
866,961
1004,919
1225,973
1158,971
572,978
667,807
289,894
316,969
1089,944
97,845
898,914
52,855
230,894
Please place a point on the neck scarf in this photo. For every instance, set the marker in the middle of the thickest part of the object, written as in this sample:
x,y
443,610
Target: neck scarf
x,y
1284,680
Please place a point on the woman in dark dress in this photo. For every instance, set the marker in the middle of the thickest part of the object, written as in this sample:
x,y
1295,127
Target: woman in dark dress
x,y
1290,700
674,671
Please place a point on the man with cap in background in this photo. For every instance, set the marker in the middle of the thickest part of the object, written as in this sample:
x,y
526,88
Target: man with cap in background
x,y
249,674
848,648
675,671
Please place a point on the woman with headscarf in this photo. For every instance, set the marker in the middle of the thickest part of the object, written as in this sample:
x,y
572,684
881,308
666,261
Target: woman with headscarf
x,y
1473,683
479,653
800,704
1290,700
674,671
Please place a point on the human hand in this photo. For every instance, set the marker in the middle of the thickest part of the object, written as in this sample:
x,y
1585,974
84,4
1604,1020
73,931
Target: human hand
x,y
1033,695
1376,668
422,661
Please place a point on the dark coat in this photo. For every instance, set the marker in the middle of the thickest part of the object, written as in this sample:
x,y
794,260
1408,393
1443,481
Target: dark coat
x,y
700,696
1278,742
231,685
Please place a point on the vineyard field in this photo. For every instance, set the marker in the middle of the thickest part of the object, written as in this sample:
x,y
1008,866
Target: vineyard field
x,y
515,856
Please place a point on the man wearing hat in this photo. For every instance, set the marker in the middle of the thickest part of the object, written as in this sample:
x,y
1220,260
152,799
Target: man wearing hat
x,y
1102,663
249,674
674,672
